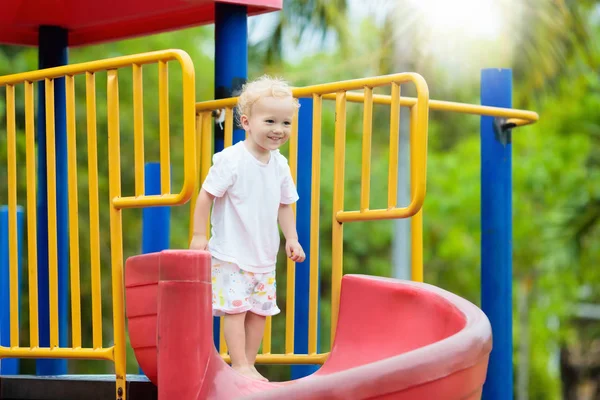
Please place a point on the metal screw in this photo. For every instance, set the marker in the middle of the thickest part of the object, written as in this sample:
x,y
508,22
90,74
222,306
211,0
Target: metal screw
x,y
120,392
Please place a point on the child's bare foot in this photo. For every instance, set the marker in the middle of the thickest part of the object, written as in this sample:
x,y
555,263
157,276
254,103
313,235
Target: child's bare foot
x,y
258,375
246,370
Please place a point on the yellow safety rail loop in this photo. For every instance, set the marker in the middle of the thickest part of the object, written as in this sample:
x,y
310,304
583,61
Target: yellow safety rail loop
x,y
418,149
418,163
48,77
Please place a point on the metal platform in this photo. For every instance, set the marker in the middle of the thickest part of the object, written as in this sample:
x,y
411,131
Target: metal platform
x,y
73,387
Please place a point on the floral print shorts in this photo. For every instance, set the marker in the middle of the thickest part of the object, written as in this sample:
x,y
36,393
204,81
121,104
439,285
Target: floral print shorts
x,y
236,291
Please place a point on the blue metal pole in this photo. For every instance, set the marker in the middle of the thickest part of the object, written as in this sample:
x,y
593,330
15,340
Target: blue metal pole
x,y
9,366
156,221
231,70
231,58
53,51
303,209
496,232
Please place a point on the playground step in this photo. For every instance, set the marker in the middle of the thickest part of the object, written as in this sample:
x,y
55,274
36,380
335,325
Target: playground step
x,y
73,387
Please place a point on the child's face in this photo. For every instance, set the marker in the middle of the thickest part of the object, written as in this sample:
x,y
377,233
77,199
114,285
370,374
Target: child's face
x,y
270,122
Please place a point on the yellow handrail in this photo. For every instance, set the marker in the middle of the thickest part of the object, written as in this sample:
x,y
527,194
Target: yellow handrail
x,y
514,116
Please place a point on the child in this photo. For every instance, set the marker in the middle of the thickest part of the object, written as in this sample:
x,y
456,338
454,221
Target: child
x,y
252,188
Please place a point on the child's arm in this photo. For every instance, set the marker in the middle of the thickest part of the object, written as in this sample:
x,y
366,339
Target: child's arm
x,y
288,227
203,203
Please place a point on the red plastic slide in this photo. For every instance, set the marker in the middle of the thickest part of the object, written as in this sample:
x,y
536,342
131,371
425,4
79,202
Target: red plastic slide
x,y
395,339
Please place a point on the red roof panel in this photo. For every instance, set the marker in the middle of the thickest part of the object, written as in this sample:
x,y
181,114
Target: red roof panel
x,y
90,22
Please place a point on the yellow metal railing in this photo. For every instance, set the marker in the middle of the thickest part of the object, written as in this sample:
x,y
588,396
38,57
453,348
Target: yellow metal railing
x,y
341,93
112,67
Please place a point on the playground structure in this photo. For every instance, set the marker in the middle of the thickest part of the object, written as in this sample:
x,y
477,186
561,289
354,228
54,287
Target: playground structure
x,y
197,134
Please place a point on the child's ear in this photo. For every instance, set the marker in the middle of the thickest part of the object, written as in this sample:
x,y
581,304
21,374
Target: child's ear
x,y
245,122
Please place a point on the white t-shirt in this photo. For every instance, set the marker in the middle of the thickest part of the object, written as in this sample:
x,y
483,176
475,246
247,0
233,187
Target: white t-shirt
x,y
246,206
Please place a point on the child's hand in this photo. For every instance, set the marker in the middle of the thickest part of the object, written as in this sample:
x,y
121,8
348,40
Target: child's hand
x,y
199,242
294,251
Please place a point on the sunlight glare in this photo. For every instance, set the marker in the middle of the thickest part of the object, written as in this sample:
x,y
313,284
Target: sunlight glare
x,y
466,18
457,38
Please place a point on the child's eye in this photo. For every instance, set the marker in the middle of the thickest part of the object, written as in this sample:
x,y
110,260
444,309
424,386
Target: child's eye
x,y
269,121
287,123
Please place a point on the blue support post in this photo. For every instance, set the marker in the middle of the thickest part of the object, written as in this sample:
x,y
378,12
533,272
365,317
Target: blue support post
x,y
8,366
303,209
231,70
231,58
53,52
496,233
156,221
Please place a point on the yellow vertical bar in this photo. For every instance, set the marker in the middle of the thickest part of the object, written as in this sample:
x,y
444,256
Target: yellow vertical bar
x,y
222,343
205,158
394,146
365,183
31,215
338,205
138,129
11,144
199,124
207,150
266,344
92,148
52,240
228,141
116,228
289,307
313,294
163,89
73,214
416,226
291,266
293,150
197,182
416,222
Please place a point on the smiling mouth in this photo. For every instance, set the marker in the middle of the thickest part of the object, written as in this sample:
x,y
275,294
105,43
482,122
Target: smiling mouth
x,y
275,138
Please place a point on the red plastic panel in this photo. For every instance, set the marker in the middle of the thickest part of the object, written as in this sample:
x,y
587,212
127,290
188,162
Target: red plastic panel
x,y
91,22
141,290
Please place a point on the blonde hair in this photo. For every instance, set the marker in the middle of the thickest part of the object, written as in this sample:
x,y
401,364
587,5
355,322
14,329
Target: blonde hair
x,y
265,86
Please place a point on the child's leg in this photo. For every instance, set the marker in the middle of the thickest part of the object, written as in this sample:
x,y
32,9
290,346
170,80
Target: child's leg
x,y
263,304
255,327
235,337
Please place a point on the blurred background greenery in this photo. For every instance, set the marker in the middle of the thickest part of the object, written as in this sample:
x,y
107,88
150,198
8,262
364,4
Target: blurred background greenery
x,y
552,48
